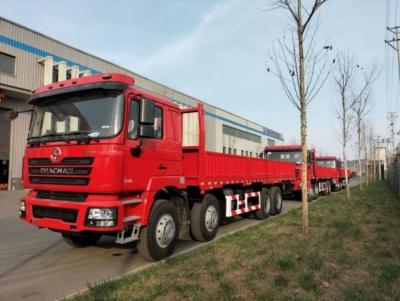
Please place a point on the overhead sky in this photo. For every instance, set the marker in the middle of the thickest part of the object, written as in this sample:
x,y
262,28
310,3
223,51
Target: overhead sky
x,y
217,51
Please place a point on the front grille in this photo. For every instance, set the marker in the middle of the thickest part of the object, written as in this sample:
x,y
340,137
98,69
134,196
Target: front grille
x,y
70,171
65,161
62,196
59,180
66,215
74,171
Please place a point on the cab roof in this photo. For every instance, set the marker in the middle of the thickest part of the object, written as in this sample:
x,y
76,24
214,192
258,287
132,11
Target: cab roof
x,y
322,158
98,81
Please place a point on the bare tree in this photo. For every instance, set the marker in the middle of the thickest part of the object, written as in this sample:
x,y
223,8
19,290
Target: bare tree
x,y
343,80
360,108
364,142
302,69
354,97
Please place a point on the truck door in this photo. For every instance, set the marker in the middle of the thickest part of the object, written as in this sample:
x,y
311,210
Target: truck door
x,y
151,157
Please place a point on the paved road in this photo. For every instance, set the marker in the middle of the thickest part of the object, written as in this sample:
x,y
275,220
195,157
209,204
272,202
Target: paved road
x,y
37,264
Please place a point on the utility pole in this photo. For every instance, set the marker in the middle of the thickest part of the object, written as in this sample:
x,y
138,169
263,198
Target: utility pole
x,y
392,118
395,42
379,158
372,152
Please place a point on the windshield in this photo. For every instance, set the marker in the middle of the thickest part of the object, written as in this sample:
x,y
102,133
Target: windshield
x,y
291,156
91,114
327,163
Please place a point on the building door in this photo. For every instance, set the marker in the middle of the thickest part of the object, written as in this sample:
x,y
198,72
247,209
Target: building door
x,y
4,150
19,134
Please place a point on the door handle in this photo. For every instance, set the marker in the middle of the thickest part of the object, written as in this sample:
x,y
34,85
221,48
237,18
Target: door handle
x,y
162,167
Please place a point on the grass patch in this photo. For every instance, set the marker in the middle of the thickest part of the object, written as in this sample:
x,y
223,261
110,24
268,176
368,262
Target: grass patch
x,y
352,253
280,280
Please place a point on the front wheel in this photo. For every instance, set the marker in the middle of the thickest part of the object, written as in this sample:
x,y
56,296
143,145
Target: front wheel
x,y
81,240
205,219
158,239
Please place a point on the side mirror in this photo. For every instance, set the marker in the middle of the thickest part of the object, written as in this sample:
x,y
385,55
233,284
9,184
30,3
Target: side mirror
x,y
146,112
10,115
146,131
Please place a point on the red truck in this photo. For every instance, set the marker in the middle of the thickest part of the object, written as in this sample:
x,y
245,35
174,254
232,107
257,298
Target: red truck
x,y
106,158
338,179
321,177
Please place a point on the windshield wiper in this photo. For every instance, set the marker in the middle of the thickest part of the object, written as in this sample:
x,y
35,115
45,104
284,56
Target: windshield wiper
x,y
52,135
79,137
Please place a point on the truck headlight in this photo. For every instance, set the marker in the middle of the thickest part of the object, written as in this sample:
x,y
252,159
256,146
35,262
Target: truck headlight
x,y
101,217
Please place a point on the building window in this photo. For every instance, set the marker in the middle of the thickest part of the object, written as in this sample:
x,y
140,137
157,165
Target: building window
x,y
234,151
240,134
242,152
224,149
7,64
69,74
229,150
55,74
271,142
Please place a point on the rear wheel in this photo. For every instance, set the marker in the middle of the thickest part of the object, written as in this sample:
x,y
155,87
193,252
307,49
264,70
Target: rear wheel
x,y
205,219
277,200
81,240
265,202
158,239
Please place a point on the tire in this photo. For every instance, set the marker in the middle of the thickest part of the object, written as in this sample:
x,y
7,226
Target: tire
x,y
205,219
265,202
276,200
326,191
311,195
316,192
329,187
158,239
81,240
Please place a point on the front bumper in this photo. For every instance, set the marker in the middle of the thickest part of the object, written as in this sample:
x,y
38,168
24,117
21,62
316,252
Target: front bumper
x,y
77,221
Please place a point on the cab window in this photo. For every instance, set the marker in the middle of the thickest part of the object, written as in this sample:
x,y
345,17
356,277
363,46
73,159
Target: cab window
x,y
133,123
158,123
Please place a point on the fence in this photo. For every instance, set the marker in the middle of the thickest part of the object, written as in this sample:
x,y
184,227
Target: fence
x,y
394,173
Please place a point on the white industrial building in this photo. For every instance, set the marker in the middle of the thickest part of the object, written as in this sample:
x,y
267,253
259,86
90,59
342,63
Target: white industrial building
x,y
29,59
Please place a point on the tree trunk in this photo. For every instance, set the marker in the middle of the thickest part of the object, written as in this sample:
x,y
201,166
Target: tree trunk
x,y
366,156
303,121
344,128
359,149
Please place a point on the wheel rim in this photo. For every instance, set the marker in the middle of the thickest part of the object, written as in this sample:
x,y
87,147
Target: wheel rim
x,y
278,200
165,230
267,204
211,219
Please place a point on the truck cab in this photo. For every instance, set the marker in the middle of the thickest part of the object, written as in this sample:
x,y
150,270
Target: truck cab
x,y
98,149
292,153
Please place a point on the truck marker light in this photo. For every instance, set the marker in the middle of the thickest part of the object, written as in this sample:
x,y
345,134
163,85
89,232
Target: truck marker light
x,y
22,208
